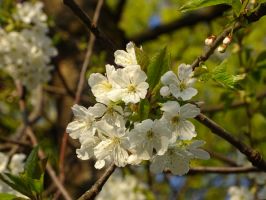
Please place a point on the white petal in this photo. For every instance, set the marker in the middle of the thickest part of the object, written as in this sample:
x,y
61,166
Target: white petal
x,y
186,130
99,164
165,91
172,107
184,71
189,111
169,78
157,164
120,157
95,79
188,93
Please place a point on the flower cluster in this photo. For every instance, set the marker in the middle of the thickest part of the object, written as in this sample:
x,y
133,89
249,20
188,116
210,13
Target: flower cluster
x,y
14,166
108,131
127,187
26,50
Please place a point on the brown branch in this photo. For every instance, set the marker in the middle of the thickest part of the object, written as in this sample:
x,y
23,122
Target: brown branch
x,y
255,16
253,156
236,104
49,168
19,143
222,158
187,20
222,170
85,19
97,187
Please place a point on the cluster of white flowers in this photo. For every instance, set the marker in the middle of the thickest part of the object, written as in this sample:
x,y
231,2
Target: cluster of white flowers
x,y
127,187
248,193
26,50
240,193
107,132
14,166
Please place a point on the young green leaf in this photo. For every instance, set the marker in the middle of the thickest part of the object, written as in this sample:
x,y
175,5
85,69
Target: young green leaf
x,y
196,4
4,196
18,184
144,109
32,165
142,58
220,75
158,66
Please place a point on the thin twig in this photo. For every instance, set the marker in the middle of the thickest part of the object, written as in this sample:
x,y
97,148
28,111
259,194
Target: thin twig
x,y
236,104
80,85
97,187
253,156
49,168
255,16
20,143
223,170
106,42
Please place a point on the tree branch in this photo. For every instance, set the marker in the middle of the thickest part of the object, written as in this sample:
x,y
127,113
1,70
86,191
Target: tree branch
x,y
253,156
222,170
97,187
85,19
236,104
187,20
255,16
80,85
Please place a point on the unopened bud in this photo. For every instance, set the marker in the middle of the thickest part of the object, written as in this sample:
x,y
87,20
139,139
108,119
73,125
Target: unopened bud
x,y
227,40
209,40
222,48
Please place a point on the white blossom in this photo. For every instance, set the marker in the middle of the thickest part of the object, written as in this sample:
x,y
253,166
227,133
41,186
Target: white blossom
x,y
4,161
177,116
15,166
126,58
129,85
26,53
180,86
196,152
101,85
114,143
121,188
240,193
83,122
148,136
175,159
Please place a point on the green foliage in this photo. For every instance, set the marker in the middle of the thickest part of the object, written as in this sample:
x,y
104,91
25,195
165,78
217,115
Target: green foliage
x,y
196,4
142,58
30,182
10,197
220,75
144,109
158,66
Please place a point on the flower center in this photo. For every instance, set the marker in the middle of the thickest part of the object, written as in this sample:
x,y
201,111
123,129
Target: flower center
x,y
116,140
182,86
131,88
175,119
107,86
150,134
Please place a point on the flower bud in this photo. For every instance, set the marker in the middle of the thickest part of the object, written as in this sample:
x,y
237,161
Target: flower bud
x,y
222,48
227,40
209,40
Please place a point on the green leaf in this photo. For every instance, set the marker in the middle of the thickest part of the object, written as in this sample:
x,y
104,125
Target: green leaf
x,y
158,66
220,75
18,184
144,109
196,4
142,58
237,6
4,196
32,165
261,60
261,1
